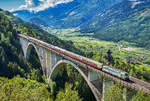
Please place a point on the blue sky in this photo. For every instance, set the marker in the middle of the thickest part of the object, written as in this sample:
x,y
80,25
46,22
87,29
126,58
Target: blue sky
x,y
31,5
10,4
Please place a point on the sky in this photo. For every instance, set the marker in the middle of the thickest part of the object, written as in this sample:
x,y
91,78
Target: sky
x,y
11,4
31,5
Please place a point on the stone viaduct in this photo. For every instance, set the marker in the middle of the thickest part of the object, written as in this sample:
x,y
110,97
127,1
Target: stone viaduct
x,y
50,59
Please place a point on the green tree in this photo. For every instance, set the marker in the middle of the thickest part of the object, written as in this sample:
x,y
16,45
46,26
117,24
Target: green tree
x,y
19,89
109,56
140,96
53,89
114,93
68,94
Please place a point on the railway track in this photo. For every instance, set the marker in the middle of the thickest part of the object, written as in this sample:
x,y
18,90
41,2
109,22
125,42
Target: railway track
x,y
140,82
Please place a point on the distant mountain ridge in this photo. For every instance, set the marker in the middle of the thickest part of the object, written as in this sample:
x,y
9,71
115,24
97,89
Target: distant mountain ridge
x,y
71,14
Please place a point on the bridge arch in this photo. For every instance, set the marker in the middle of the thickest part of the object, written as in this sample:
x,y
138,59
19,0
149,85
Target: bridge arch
x,y
28,53
78,69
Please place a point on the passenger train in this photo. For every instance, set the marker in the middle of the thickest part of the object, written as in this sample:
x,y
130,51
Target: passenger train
x,y
107,69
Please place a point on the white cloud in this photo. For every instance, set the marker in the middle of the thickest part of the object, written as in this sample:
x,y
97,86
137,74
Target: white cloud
x,y
29,3
15,14
38,5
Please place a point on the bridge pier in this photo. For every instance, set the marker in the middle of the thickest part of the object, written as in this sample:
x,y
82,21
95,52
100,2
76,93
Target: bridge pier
x,y
24,45
92,75
106,85
125,94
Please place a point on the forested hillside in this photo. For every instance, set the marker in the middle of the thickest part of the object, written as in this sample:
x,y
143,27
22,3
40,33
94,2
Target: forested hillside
x,y
11,58
128,21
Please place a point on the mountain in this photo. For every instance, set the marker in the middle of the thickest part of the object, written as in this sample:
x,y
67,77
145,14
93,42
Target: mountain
x,y
66,15
128,20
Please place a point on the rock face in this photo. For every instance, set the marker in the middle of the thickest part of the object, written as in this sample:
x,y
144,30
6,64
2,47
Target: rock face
x,y
66,15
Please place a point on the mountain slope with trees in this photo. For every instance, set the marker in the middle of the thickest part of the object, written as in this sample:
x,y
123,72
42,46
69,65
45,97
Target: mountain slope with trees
x,y
128,21
11,60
